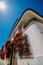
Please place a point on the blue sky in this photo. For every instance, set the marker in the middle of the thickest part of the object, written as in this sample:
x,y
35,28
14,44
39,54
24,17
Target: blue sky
x,y
14,10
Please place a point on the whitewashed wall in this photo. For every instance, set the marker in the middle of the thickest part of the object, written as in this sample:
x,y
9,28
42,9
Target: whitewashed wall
x,y
36,40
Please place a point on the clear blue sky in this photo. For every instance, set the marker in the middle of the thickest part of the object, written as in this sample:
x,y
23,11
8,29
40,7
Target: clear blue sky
x,y
14,10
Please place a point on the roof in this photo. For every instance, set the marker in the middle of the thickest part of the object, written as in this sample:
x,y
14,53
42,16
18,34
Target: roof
x,y
26,15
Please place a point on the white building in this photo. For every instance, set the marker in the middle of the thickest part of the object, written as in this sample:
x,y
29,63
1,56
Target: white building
x,y
32,24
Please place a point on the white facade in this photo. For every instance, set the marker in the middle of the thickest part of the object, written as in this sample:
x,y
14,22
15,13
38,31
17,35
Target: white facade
x,y
35,37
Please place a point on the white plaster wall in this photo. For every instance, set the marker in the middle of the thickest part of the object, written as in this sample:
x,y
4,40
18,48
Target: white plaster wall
x,y
3,62
36,40
35,61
